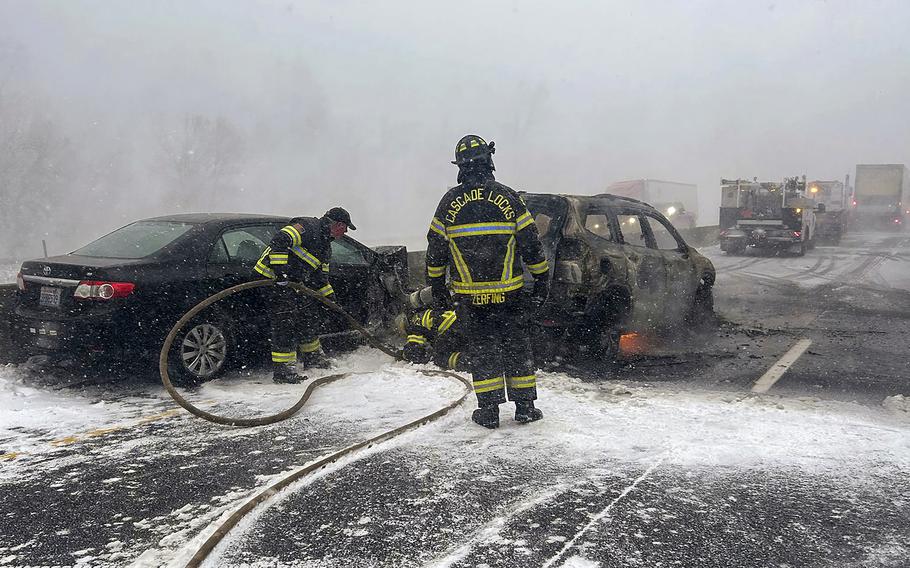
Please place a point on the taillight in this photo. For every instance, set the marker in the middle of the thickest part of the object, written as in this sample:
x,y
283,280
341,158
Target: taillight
x,y
797,234
20,282
89,290
723,233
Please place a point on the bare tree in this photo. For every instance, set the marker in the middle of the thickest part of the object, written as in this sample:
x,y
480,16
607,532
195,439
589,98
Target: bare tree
x,y
202,160
35,168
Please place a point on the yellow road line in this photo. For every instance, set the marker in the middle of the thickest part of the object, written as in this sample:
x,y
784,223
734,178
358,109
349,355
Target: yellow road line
x,y
98,432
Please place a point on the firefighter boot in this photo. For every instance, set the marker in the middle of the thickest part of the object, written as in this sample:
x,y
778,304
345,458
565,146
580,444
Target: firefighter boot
x,y
285,373
487,416
525,411
314,360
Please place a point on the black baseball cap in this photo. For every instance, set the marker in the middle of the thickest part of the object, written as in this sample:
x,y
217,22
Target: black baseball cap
x,y
340,215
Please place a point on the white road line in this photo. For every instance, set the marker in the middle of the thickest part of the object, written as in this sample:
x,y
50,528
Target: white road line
x,y
778,369
597,518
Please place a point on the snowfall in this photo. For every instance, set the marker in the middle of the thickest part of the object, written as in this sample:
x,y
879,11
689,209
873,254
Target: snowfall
x,y
654,426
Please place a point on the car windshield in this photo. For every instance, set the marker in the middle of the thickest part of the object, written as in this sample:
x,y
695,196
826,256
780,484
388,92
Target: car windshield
x,y
136,240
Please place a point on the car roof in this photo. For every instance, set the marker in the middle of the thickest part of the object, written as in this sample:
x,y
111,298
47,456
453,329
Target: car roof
x,y
615,200
223,218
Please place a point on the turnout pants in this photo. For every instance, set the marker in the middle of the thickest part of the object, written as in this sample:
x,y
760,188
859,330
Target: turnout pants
x,y
499,351
295,326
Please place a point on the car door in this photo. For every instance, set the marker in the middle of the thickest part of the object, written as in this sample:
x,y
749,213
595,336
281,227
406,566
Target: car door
x,y
549,213
647,269
352,272
231,261
680,270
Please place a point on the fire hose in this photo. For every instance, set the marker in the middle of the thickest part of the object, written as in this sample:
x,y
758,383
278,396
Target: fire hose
x,y
311,386
225,526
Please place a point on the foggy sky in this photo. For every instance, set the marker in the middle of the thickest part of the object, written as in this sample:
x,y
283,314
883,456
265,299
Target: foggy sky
x,y
360,103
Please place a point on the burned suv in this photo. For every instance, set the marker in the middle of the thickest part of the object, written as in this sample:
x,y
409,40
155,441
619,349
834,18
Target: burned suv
x,y
618,266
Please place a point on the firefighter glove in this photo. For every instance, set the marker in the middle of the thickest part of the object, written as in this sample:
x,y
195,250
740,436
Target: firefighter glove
x,y
440,292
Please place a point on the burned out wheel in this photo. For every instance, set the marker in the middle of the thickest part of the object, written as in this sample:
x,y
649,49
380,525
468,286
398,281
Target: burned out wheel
x,y
606,345
202,351
702,311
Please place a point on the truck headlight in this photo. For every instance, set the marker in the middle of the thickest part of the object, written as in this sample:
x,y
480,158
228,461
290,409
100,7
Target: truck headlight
x,y
671,211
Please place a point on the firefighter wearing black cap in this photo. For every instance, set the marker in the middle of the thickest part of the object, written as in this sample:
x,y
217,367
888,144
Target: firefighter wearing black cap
x,y
299,252
480,234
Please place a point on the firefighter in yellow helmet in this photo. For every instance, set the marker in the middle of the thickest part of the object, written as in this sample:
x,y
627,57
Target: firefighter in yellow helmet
x,y
299,252
480,235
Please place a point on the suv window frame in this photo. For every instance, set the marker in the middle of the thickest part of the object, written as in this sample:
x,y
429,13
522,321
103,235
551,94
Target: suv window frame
x,y
681,245
557,222
609,210
646,229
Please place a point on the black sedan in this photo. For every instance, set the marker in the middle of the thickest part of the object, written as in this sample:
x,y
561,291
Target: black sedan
x,y
118,296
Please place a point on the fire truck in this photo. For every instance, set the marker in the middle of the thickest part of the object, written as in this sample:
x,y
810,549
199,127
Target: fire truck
x,y
772,216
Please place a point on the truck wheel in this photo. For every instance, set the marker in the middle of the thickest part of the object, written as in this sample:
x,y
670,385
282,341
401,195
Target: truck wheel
x,y
802,249
735,249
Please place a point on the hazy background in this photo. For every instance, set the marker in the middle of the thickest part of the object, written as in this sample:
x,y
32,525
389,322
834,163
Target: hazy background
x,y
115,110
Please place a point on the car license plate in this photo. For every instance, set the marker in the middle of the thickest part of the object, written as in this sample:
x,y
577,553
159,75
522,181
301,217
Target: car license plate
x,y
50,296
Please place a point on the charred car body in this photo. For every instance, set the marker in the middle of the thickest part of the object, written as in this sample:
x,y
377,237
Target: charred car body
x,y
618,265
766,215
120,295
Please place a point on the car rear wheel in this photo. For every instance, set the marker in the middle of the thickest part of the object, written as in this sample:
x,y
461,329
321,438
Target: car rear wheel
x,y
201,351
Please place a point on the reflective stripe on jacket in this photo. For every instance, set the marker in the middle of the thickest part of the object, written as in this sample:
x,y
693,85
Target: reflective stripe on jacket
x,y
300,252
481,233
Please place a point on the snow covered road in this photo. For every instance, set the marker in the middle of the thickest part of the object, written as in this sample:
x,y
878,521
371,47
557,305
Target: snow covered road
x,y
666,459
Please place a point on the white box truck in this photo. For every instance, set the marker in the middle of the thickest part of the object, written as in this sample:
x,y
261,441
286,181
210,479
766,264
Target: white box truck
x,y
881,196
678,201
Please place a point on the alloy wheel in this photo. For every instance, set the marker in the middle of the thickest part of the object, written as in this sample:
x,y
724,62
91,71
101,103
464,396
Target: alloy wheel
x,y
204,350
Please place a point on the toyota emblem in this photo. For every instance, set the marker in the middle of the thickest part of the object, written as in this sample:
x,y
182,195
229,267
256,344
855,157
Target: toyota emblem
x,y
46,270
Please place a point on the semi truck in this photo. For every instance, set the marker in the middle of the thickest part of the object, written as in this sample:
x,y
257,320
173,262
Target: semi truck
x,y
831,198
766,215
881,196
677,201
